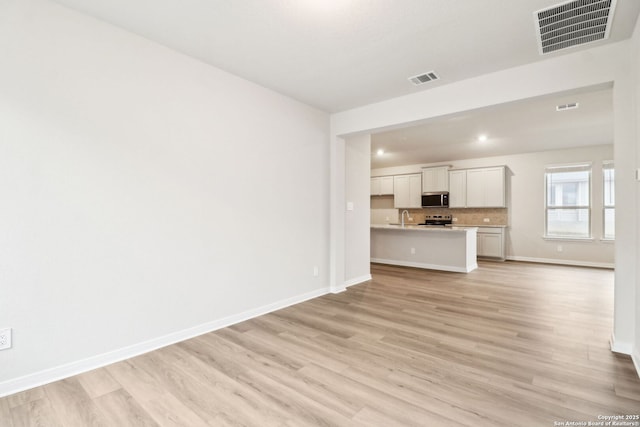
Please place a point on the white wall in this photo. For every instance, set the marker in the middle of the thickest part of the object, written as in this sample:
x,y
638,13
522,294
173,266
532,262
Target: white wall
x,y
525,183
357,188
593,67
145,196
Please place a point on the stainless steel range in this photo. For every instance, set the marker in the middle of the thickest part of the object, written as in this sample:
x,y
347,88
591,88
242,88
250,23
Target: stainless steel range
x,y
441,220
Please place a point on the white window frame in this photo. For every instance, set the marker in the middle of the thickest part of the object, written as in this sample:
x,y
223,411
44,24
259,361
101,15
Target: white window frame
x,y
577,167
607,165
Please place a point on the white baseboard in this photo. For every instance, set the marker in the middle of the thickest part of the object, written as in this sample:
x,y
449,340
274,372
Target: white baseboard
x,y
621,347
337,289
74,368
357,280
562,262
427,266
626,348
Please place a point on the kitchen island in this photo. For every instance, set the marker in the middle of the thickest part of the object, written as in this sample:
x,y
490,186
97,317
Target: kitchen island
x,y
430,247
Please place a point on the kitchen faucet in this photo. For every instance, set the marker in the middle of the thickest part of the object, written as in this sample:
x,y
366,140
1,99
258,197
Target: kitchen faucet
x,y
402,216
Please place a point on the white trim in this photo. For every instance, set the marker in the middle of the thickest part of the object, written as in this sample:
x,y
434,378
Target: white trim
x,y
427,266
336,215
562,262
357,280
569,239
74,368
620,347
635,357
569,167
626,348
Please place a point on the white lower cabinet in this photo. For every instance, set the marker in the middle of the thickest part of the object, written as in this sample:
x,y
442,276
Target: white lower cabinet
x,y
491,242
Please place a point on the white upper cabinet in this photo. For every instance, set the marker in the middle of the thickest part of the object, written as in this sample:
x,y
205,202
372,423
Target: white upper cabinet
x,y
458,189
435,179
375,186
407,191
486,188
382,186
477,188
495,192
386,185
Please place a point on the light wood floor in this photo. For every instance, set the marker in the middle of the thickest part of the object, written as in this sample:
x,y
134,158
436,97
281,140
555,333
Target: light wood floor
x,y
510,344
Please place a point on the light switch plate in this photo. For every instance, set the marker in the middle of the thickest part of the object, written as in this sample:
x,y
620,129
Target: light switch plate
x,y
5,338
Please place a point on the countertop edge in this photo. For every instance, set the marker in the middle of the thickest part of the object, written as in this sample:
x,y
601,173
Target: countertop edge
x,y
482,225
421,228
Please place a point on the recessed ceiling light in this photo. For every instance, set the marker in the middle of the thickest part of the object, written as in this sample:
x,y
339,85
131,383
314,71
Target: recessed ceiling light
x,y
482,138
380,152
326,6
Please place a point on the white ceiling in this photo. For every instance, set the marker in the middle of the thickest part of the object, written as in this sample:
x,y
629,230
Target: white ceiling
x,y
520,127
340,54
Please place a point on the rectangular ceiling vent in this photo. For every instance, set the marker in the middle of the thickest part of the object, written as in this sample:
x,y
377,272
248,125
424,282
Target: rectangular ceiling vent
x,y
424,78
573,23
565,107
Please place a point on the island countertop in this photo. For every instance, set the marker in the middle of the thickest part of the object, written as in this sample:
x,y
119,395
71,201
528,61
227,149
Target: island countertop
x,y
415,227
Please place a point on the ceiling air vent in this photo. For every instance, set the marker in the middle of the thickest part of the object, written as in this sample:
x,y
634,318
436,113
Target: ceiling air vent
x,y
424,78
573,23
565,107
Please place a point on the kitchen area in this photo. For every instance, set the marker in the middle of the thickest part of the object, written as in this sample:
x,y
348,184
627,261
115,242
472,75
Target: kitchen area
x,y
442,218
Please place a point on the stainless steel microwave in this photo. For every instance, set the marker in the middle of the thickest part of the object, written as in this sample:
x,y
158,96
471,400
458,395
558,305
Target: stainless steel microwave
x,y
435,200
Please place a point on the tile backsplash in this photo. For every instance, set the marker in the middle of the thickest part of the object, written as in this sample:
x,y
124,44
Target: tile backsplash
x,y
467,216
384,216
383,212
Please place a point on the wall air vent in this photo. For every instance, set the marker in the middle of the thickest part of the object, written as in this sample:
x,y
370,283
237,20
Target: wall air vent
x,y
570,106
424,78
573,23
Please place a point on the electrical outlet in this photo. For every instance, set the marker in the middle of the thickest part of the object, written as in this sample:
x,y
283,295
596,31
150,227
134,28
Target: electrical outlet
x,y
5,338
559,248
316,271
486,220
413,251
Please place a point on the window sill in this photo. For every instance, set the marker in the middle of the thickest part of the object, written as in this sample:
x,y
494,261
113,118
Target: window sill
x,y
569,239
604,240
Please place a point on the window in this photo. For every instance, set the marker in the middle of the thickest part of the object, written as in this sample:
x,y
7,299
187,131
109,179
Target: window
x,y
609,214
568,201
